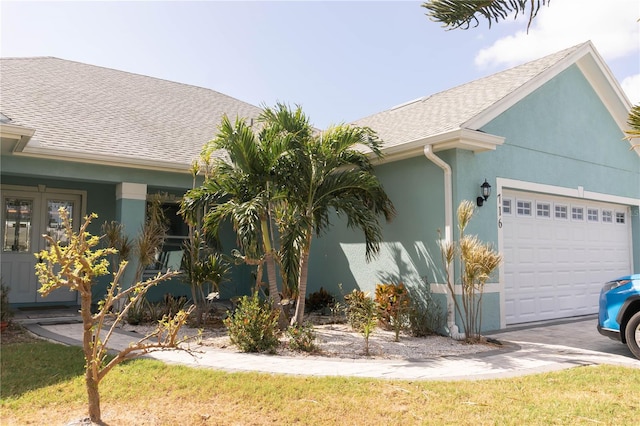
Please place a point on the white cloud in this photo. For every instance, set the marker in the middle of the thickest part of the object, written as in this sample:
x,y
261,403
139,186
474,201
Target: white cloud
x,y
610,24
631,86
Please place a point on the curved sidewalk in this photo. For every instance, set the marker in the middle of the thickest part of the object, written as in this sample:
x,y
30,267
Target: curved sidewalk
x,y
515,359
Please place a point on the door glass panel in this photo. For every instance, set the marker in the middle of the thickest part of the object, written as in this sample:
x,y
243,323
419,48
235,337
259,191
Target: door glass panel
x,y
17,225
55,226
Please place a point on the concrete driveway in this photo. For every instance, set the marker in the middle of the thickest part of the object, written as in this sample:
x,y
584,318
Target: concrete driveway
x,y
578,333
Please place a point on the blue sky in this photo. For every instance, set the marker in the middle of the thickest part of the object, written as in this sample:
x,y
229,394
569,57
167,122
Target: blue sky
x,y
340,60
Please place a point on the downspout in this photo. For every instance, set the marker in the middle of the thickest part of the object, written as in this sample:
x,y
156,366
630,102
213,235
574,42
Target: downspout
x,y
448,233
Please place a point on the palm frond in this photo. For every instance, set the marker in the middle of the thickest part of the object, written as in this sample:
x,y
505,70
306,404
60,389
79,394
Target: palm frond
x,y
634,123
465,13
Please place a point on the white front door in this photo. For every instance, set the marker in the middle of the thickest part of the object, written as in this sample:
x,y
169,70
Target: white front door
x,y
26,215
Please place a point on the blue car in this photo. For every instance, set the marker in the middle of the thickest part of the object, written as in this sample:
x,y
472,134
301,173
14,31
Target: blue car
x,y
619,314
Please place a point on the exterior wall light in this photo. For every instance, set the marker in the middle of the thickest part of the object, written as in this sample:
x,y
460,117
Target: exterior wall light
x,y
486,191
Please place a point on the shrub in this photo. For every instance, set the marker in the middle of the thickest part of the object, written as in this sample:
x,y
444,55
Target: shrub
x,y
302,337
392,301
253,326
361,314
425,315
136,313
319,300
171,305
5,312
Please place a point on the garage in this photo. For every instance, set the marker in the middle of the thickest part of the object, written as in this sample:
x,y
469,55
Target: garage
x,y
558,252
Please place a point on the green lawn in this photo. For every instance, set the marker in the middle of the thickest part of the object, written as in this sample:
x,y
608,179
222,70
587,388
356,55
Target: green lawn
x,y
42,383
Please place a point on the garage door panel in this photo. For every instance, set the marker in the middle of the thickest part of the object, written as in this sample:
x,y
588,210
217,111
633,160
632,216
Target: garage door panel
x,y
554,268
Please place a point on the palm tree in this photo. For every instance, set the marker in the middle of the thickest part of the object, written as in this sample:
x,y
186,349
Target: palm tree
x,y
240,189
634,124
463,13
330,174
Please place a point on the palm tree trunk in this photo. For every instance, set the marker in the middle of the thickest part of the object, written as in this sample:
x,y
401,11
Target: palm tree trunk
x,y
271,265
302,282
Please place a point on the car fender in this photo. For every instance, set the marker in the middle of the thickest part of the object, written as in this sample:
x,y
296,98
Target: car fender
x,y
628,308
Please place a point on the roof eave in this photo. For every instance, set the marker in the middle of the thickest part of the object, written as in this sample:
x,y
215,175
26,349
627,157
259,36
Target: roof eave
x,y
115,161
14,132
466,139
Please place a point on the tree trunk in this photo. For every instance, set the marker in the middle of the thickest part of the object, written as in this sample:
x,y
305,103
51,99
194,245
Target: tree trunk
x,y
271,265
94,397
91,380
194,296
302,282
273,285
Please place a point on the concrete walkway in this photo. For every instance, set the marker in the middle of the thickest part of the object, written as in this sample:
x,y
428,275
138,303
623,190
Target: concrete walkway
x,y
532,349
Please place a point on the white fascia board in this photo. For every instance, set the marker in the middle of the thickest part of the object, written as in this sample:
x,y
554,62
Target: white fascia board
x,y
85,158
471,140
20,134
608,90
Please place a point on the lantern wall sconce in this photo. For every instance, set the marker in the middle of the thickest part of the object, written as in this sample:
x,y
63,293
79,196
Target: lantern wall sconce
x,y
486,191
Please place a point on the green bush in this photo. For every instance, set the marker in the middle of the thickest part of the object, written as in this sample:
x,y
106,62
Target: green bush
x,y
319,300
361,314
358,308
171,305
137,313
302,337
145,312
5,311
253,326
425,315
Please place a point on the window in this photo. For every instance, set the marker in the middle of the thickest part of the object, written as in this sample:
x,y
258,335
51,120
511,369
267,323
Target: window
x,y
506,206
619,217
592,215
561,212
543,210
607,216
523,208
170,254
577,213
17,225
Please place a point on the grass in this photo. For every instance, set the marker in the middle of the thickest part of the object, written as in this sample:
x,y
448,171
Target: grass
x,y
42,383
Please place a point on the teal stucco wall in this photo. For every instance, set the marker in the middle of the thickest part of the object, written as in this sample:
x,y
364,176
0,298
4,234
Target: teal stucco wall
x,y
409,253
561,135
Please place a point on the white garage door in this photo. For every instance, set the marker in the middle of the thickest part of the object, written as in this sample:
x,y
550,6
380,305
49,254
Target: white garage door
x,y
558,252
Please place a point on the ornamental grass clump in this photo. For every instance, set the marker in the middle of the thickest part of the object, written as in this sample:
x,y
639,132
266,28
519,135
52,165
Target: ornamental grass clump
x,y
477,261
253,326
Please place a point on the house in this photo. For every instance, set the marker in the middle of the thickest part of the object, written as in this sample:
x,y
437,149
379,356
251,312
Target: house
x,y
547,136
95,140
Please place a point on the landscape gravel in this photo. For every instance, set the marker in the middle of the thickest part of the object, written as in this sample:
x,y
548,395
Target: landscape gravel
x,y
340,341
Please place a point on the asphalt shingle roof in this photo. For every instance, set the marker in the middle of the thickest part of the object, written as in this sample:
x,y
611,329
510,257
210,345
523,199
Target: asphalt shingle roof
x,y
450,109
91,110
